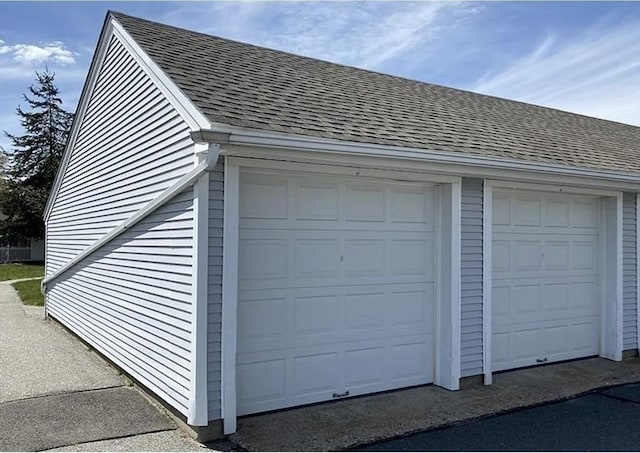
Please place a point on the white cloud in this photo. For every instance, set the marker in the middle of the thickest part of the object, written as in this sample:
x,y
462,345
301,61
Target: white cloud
x,y
54,52
363,34
596,73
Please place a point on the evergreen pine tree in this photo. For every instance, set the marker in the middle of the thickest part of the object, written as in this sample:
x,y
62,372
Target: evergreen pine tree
x,y
34,162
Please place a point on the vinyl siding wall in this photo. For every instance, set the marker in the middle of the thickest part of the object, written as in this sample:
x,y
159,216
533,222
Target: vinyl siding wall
x,y
132,298
629,275
131,146
471,278
216,196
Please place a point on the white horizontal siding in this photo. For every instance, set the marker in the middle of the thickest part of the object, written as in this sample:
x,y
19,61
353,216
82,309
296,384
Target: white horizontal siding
x,y
216,194
131,145
135,307
629,269
471,278
131,299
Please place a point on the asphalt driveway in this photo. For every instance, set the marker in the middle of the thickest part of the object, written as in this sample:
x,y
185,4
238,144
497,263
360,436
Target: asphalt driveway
x,y
604,420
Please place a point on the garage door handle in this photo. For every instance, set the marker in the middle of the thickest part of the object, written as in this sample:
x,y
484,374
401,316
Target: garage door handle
x,y
541,360
341,395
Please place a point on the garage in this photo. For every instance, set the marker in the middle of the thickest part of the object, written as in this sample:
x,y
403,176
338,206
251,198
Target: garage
x,y
547,253
336,287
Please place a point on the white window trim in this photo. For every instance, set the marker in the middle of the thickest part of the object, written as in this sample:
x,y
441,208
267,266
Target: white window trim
x,y
447,366
611,335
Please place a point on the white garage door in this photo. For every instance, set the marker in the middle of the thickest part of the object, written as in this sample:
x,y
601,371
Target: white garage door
x,y
545,278
336,288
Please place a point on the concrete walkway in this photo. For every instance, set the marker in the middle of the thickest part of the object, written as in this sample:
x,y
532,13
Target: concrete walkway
x,y
56,393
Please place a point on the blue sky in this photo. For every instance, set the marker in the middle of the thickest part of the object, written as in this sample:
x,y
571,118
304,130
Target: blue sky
x,y
578,56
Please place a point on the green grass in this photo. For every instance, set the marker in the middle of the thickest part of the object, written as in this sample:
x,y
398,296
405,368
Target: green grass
x,y
14,271
29,292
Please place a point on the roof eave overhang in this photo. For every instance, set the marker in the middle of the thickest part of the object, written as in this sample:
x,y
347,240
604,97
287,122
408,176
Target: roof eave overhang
x,y
460,163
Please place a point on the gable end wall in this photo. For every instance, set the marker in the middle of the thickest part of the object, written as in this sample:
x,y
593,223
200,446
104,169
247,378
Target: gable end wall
x,y
132,298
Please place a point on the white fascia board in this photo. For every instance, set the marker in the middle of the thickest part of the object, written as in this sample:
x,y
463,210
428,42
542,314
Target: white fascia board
x,y
187,109
90,81
452,162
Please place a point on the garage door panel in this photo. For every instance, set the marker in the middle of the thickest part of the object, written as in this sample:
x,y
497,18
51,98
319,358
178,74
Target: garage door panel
x,y
584,214
264,197
556,255
316,258
262,383
283,318
261,259
514,256
556,212
557,299
315,373
584,255
412,205
317,200
545,278
277,201
412,257
336,288
526,211
526,346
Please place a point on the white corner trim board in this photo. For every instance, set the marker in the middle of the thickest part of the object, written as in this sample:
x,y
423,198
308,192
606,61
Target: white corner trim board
x,y
187,180
487,233
230,294
198,411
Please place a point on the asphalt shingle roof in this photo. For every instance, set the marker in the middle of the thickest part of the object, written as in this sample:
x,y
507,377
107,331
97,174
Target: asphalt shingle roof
x,y
248,86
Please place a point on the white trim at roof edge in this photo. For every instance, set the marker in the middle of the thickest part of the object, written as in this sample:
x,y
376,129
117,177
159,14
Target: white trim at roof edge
x,y
250,137
187,109
195,119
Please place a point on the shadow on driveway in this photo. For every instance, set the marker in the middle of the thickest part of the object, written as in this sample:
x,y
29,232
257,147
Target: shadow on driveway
x,y
605,420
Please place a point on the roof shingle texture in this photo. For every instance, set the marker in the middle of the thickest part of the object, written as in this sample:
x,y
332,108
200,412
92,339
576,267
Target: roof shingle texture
x,y
253,87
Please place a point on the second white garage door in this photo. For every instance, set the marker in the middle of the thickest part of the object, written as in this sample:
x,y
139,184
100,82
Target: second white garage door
x,y
336,288
545,278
